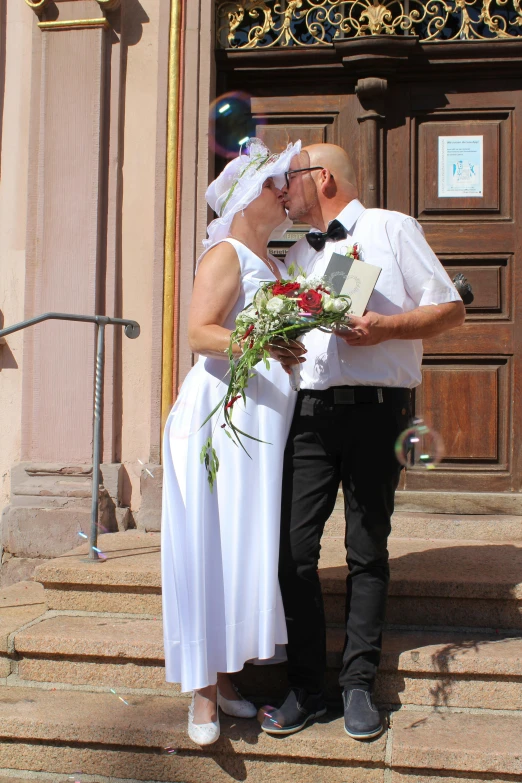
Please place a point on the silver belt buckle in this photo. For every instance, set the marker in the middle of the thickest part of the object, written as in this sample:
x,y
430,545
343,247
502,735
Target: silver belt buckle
x,y
379,395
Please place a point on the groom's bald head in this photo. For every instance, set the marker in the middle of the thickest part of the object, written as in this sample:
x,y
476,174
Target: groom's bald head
x,y
317,196
337,160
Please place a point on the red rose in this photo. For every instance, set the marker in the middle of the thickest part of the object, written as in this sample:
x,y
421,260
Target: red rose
x,y
284,289
311,302
232,401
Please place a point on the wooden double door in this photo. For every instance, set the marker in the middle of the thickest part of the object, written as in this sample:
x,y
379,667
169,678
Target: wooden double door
x,y
471,388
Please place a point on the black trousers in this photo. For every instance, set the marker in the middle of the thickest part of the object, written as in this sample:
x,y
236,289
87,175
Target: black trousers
x,y
342,435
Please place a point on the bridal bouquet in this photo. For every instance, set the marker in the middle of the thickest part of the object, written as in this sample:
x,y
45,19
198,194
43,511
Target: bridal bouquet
x,y
281,310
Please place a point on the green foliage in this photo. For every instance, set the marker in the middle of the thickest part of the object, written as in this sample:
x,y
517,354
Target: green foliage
x,y
257,326
210,460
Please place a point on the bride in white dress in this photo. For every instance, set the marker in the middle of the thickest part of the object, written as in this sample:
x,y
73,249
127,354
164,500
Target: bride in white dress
x,y
221,599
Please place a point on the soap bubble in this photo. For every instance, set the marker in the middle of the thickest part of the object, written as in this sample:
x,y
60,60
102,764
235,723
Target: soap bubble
x,y
231,123
419,445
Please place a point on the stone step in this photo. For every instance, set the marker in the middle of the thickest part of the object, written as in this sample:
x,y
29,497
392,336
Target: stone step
x,y
481,527
434,582
20,604
98,651
98,734
459,743
425,668
475,523
470,527
5,778
128,580
472,671
63,732
466,584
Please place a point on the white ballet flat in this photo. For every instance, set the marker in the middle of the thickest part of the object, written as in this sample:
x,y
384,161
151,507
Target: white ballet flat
x,y
237,708
202,733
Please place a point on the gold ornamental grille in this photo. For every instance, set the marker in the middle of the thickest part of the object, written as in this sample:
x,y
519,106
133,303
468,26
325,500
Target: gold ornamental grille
x,y
262,24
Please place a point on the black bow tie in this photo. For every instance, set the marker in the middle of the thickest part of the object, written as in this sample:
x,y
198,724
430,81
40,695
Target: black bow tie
x,y
335,232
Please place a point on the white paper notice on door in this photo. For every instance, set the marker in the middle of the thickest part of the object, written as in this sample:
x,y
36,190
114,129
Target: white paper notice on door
x,y
460,166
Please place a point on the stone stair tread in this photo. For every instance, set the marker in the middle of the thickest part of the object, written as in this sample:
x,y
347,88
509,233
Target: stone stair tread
x,y
459,741
27,779
101,637
156,722
132,560
19,604
421,524
142,639
64,486
419,567
446,652
438,568
421,739
484,527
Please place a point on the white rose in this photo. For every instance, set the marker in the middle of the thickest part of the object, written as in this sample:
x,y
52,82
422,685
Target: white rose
x,y
275,305
339,305
300,279
261,298
328,304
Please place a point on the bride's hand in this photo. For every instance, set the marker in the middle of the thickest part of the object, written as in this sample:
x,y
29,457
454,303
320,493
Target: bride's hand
x,y
287,353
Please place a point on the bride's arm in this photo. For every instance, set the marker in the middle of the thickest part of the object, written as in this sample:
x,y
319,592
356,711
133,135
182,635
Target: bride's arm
x,y
216,289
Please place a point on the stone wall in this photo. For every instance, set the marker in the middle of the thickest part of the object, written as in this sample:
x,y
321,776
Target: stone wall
x,y
15,73
82,229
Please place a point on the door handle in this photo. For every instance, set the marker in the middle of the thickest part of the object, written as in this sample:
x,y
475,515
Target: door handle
x,y
463,286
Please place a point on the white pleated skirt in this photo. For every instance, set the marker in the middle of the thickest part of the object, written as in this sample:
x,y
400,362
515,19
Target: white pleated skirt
x,y
219,550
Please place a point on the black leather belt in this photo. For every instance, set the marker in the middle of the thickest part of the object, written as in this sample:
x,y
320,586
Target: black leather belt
x,y
358,395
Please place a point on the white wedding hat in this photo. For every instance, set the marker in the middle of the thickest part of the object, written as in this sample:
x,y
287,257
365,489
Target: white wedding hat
x,y
241,182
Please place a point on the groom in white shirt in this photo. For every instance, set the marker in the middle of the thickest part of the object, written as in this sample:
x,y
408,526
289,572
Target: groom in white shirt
x,y
354,401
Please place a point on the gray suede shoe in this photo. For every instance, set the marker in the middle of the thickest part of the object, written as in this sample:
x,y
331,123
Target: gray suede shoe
x,y
361,719
298,709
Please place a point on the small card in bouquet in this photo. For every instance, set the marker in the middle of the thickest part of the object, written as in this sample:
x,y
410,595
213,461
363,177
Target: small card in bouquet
x,y
353,278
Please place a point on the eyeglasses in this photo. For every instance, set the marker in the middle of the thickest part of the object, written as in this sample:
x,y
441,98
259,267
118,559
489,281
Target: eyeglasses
x,y
297,171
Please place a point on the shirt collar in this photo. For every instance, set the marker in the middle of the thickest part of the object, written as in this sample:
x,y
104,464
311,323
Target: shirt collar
x,y
351,214
348,216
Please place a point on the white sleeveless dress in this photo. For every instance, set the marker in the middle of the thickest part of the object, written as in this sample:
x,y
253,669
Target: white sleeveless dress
x,y
219,550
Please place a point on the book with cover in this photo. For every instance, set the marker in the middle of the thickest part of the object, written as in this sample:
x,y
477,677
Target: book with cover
x,y
352,278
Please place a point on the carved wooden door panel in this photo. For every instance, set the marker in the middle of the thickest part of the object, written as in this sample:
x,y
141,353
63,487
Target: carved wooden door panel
x,y
471,388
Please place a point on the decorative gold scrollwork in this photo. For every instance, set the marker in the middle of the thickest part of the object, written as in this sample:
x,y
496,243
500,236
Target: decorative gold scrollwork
x,y
262,24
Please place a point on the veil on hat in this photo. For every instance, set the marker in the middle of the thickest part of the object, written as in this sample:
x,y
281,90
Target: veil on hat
x,y
241,182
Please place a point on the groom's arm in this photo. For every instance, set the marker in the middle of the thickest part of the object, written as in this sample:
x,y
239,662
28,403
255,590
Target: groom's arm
x,y
439,306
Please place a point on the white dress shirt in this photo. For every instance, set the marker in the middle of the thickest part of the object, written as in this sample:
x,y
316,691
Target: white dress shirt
x,y
411,276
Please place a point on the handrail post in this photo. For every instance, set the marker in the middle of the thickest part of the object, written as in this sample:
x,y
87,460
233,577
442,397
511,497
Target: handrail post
x,y
97,438
132,331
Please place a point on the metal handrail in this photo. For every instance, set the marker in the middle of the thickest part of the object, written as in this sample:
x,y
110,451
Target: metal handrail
x,y
132,331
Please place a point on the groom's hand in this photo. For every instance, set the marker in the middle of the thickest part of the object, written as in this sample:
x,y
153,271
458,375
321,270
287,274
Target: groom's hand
x,y
287,353
369,329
